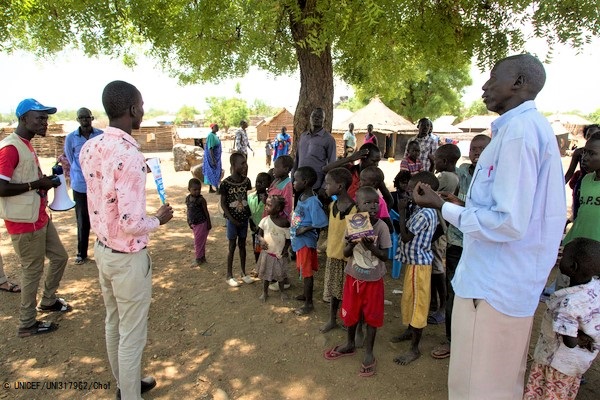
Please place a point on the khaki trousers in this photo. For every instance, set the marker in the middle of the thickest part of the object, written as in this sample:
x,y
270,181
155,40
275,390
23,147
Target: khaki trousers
x,y
488,352
126,283
32,248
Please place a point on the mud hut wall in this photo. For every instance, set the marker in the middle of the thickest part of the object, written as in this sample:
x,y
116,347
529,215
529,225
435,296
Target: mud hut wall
x,y
269,130
154,138
50,146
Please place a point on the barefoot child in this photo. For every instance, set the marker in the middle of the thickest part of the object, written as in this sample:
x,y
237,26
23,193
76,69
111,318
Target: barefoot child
x,y
256,202
234,201
337,182
569,337
198,219
308,216
416,233
274,238
363,287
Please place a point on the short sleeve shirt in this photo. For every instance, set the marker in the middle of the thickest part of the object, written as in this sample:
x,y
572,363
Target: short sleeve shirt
x,y
422,224
236,197
363,265
350,138
308,212
569,310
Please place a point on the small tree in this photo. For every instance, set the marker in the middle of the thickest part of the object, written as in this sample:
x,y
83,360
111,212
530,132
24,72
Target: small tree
x,y
595,116
185,114
226,112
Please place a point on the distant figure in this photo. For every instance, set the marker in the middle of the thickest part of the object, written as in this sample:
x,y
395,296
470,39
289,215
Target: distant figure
x,y
211,167
427,143
73,144
370,136
268,152
242,144
282,145
66,166
349,140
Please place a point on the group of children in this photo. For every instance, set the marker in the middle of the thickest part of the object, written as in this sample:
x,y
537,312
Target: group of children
x,y
354,270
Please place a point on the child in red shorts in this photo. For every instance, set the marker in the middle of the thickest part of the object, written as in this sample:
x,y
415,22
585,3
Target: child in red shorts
x,y
363,286
308,216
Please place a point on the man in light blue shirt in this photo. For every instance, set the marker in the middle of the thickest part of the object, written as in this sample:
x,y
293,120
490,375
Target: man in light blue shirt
x,y
512,223
73,144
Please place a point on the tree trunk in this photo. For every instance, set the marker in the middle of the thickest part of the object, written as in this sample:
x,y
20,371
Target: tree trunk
x,y
316,77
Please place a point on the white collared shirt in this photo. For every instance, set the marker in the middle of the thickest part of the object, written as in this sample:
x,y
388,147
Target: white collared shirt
x,y
514,215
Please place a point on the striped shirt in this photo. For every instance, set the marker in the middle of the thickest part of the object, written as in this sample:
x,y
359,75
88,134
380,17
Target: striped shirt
x,y
422,224
411,166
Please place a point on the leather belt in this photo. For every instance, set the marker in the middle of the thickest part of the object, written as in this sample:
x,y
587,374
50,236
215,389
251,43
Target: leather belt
x,y
113,250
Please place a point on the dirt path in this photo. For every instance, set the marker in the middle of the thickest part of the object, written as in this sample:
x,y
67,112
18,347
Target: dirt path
x,y
205,336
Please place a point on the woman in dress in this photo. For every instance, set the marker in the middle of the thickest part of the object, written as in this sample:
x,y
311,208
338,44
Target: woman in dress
x,y
283,141
212,159
370,136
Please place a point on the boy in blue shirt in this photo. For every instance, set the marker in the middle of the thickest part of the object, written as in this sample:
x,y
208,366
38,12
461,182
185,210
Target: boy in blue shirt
x,y
308,216
416,233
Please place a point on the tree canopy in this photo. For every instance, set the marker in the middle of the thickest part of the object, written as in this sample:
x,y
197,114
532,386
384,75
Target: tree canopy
x,y
404,45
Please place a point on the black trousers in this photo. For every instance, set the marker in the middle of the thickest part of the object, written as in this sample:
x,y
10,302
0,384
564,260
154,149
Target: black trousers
x,y
83,223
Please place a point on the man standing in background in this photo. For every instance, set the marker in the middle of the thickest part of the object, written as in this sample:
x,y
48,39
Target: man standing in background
x,y
73,144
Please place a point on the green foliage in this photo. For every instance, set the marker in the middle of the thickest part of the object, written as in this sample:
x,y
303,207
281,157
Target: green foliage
x,y
353,103
476,108
226,112
259,107
186,114
393,48
594,116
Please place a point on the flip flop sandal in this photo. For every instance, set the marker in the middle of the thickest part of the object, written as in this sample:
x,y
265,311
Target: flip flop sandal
x,y
60,305
367,371
441,352
12,288
40,327
79,261
333,354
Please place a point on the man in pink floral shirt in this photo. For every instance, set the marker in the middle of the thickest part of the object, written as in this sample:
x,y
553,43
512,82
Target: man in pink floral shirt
x,y
115,173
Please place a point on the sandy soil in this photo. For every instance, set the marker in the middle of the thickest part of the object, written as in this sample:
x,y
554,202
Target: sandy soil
x,y
205,338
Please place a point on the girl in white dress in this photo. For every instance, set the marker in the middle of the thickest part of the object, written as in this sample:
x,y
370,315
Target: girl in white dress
x,y
274,239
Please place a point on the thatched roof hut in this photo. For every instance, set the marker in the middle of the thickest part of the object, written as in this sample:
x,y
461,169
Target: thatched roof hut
x,y
385,122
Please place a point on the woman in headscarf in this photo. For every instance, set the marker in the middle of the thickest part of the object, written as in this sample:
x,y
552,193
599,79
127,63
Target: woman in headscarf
x,y
212,159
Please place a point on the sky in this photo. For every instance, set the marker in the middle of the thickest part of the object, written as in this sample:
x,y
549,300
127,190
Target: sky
x,y
71,80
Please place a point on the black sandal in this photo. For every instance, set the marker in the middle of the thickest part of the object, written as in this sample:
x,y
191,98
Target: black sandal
x,y
40,327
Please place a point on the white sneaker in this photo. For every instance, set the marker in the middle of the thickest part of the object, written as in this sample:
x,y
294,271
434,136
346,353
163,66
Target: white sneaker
x,y
247,279
232,282
275,286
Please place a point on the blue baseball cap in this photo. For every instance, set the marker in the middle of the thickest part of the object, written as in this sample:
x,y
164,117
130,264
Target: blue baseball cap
x,y
32,105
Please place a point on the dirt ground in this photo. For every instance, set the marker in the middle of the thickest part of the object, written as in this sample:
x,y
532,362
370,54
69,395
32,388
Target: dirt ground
x,y
205,338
